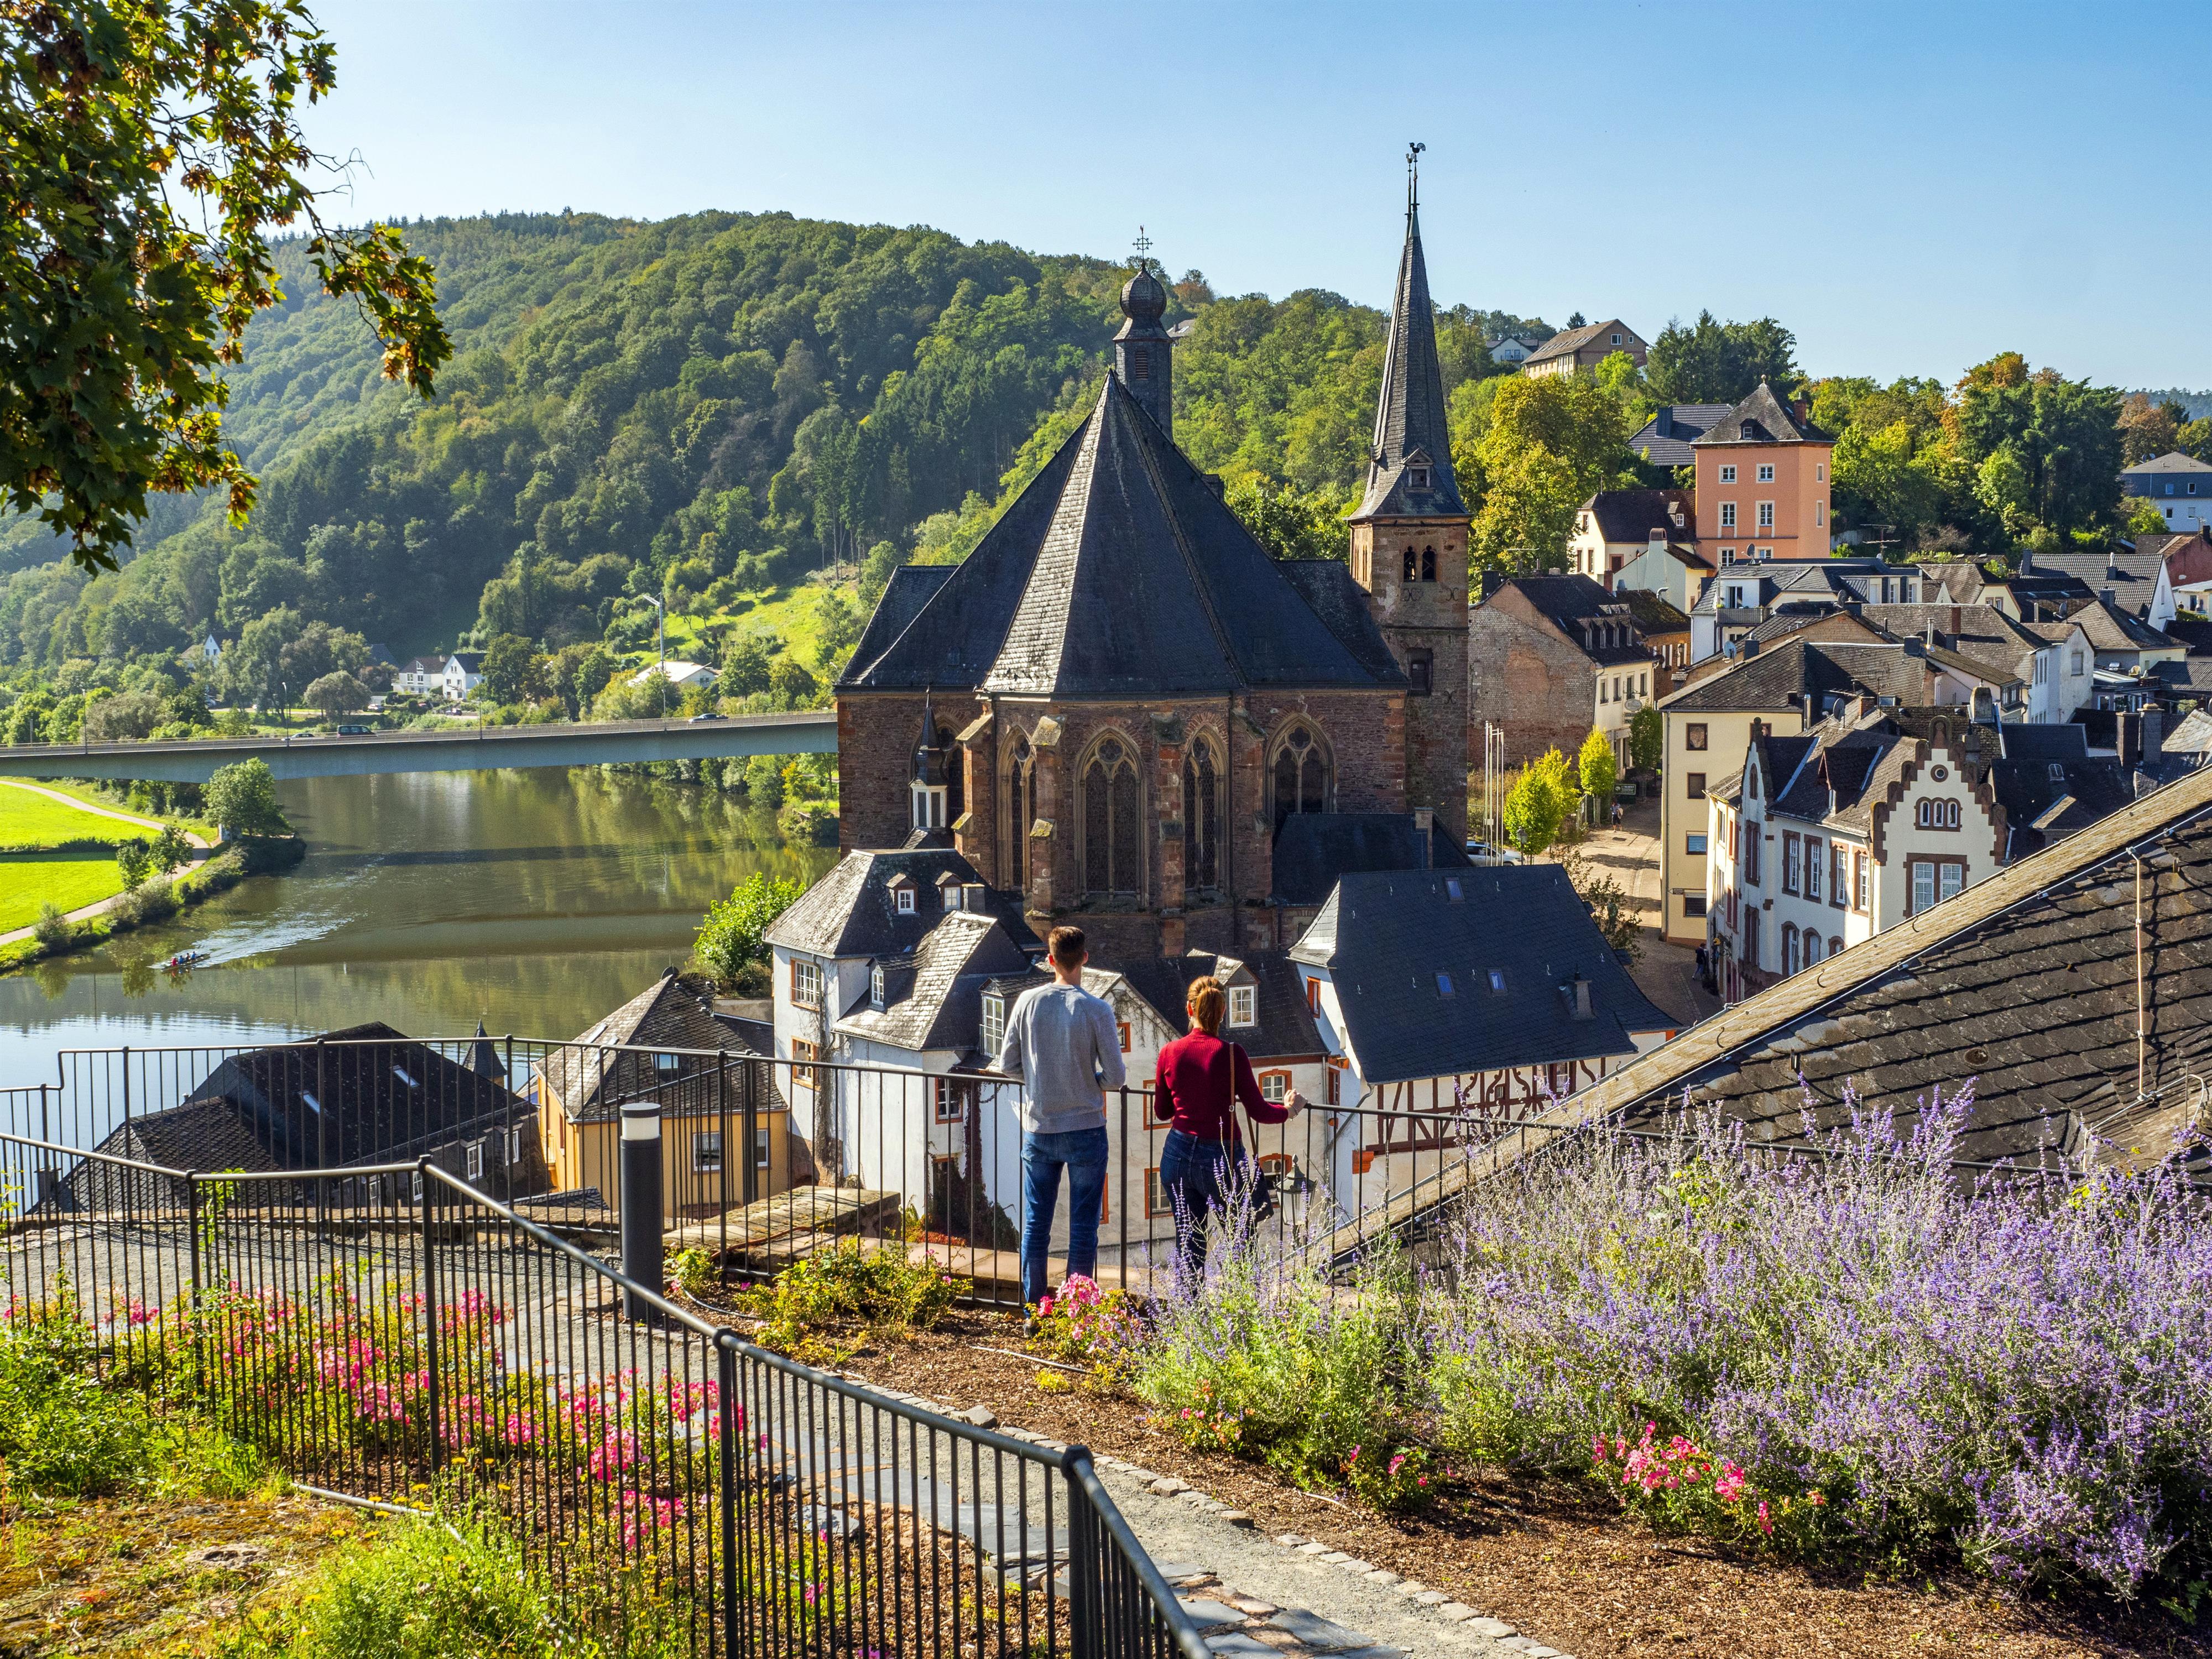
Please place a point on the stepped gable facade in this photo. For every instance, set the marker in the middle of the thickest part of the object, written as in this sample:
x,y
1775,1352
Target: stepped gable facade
x,y
1115,705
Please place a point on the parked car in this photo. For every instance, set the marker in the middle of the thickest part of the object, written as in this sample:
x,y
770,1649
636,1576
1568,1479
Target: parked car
x,y
1483,850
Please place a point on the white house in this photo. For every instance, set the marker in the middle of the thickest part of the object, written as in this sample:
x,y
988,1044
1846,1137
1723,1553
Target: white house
x,y
1443,993
1616,526
1875,815
682,676
421,676
464,673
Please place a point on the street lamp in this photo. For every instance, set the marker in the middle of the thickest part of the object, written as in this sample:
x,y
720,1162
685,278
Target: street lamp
x,y
660,626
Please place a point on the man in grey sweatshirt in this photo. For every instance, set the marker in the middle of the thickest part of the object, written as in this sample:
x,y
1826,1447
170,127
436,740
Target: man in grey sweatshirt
x,y
1063,1043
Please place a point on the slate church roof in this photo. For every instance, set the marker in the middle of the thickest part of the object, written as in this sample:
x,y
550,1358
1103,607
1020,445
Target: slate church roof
x,y
1409,417
1119,572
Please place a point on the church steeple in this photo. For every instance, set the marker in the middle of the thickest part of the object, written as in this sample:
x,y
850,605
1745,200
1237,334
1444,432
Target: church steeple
x,y
1143,351
1409,472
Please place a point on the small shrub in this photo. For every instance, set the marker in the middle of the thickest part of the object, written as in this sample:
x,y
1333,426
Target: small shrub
x,y
837,1290
1089,1326
1270,1360
54,930
692,1271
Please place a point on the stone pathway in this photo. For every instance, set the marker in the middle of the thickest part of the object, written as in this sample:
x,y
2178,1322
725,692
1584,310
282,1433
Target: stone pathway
x,y
1249,1594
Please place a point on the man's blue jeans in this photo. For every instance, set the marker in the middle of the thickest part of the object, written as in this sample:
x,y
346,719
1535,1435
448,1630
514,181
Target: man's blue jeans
x,y
1082,1153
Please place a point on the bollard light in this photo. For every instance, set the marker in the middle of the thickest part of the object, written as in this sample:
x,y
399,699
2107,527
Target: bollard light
x,y
641,1205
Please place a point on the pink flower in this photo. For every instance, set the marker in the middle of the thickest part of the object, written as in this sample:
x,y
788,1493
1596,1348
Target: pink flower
x,y
1764,1523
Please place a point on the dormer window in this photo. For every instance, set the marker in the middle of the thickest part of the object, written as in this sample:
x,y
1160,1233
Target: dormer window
x,y
902,900
876,985
1244,1005
929,806
994,1033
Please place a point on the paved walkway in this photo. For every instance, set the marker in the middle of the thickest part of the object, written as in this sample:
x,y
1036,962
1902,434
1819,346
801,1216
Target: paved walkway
x,y
86,913
1665,973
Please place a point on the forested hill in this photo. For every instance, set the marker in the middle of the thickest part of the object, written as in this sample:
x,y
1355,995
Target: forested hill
x,y
653,408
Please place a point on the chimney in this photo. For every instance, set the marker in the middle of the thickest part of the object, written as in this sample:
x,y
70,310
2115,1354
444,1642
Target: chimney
x,y
1748,648
1424,823
1957,619
2153,736
2112,564
1578,997
2128,737
2109,596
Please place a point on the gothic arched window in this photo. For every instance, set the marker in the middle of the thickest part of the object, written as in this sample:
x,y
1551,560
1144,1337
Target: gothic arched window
x,y
1201,817
1113,838
1021,811
1428,564
1300,773
1413,566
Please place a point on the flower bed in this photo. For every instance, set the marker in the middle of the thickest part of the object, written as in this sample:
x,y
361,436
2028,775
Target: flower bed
x,y
1846,1357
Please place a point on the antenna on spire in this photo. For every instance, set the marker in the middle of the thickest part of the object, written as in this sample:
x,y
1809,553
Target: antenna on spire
x,y
1144,245
1413,176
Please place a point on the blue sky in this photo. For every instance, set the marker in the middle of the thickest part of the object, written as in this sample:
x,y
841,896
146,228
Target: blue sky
x,y
1910,188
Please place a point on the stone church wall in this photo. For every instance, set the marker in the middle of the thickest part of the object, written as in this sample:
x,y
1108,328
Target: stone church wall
x,y
876,736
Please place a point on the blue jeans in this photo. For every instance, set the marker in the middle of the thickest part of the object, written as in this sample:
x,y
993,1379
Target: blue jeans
x,y
1196,1176
1083,1152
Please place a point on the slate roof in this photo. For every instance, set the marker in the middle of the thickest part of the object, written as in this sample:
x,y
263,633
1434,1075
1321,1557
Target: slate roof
x,y
2193,736
1569,341
1630,515
1568,603
1665,439
2132,575
2110,628
1341,603
911,587
851,912
2172,461
1384,939
1132,577
1313,850
1409,414
1284,1027
1763,418
590,1080
2047,799
364,1094
1651,612
2020,740
208,1133
1777,677
933,999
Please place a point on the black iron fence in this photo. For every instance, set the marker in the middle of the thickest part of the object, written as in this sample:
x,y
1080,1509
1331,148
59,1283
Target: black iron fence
x,y
763,1159
389,1333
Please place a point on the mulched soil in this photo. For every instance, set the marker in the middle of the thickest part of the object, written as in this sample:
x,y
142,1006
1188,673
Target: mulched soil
x,y
1559,1559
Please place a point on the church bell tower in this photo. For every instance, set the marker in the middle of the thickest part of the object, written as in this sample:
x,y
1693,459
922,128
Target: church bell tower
x,y
1409,539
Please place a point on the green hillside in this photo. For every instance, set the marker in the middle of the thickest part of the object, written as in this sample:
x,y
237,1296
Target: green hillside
x,y
716,404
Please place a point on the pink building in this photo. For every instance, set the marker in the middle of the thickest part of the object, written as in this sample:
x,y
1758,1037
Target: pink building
x,y
1763,483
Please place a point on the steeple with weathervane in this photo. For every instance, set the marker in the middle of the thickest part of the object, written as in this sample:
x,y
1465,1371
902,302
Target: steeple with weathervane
x,y
1409,537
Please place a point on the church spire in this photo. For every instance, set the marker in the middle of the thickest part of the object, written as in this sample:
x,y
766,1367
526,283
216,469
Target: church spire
x,y
1409,466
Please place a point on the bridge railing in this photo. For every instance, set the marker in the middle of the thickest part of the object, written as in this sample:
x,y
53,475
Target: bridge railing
x,y
675,1488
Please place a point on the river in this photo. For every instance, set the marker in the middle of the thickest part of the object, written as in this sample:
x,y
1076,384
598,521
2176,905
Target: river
x,y
533,900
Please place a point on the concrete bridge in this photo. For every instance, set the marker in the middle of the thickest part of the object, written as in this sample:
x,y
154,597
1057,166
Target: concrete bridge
x,y
813,731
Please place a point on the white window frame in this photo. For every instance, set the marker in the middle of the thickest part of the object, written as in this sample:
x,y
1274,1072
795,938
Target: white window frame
x,y
513,1147
994,1030
902,901
876,985
1923,885
806,984
1244,1005
1728,474
706,1151
1766,515
1819,473
1767,472
1728,515
1950,881
473,1160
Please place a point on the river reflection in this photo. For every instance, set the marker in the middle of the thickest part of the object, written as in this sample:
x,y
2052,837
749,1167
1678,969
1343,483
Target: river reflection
x,y
534,901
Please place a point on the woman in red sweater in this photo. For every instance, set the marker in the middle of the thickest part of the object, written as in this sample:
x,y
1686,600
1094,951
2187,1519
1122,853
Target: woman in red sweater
x,y
1201,1081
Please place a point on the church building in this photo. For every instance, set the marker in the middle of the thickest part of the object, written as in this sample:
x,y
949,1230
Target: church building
x,y
1123,710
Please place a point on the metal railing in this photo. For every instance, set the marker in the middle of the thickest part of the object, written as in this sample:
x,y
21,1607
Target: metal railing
x,y
764,1158
668,1479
